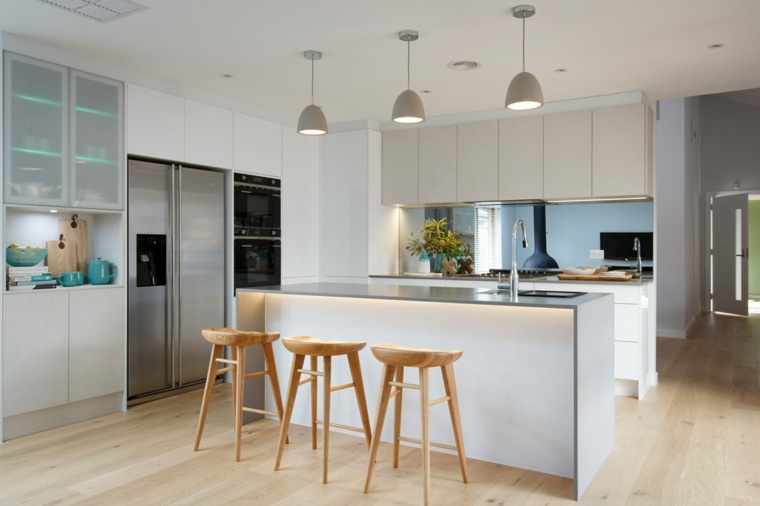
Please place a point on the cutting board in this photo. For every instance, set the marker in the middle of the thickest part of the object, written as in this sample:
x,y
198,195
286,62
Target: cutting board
x,y
593,277
76,238
61,260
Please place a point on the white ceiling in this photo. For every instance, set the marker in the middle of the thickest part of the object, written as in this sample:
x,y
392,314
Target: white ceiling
x,y
658,47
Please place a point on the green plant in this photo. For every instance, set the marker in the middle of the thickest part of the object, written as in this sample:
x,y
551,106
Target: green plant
x,y
437,239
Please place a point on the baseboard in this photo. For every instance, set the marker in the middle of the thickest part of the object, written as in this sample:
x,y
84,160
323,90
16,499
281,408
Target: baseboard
x,y
50,418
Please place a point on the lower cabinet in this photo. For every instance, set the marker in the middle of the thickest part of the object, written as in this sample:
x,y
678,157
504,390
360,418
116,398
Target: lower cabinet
x,y
61,347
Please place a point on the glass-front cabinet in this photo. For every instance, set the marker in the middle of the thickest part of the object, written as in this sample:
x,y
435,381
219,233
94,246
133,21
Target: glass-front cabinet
x,y
63,136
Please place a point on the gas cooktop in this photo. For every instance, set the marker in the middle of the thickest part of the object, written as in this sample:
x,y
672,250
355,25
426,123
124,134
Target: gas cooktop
x,y
523,273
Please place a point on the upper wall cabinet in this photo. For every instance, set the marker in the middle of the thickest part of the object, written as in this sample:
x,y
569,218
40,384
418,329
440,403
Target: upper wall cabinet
x,y
400,160
257,147
208,135
623,151
63,136
155,124
163,126
438,164
478,161
567,155
521,158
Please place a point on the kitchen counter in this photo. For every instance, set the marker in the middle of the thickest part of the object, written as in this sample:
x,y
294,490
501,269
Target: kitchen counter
x,y
451,280
536,379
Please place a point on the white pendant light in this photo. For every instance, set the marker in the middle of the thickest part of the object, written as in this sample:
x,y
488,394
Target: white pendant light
x,y
312,120
524,91
408,107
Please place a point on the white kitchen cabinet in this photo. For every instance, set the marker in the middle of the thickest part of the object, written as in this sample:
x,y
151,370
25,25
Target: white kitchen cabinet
x,y
300,207
623,151
96,343
35,351
567,155
521,158
635,359
63,136
165,126
208,135
62,346
400,167
257,146
155,124
438,164
346,252
478,161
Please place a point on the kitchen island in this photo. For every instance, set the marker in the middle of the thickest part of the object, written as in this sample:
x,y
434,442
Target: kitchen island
x,y
535,382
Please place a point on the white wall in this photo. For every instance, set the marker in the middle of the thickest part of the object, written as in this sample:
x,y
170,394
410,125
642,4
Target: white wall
x,y
676,225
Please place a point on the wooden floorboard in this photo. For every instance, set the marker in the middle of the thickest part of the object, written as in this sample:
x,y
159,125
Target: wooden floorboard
x,y
695,439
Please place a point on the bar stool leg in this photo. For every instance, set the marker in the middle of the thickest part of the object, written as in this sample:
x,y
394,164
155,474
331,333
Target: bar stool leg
x,y
208,390
397,391
382,408
274,381
326,395
289,403
424,417
313,389
240,374
361,399
449,383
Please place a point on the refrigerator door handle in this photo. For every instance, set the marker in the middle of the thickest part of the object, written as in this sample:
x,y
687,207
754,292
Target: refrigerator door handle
x,y
173,330
177,273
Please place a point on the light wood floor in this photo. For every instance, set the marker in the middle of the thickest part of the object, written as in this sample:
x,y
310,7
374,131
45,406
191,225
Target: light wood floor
x,y
695,439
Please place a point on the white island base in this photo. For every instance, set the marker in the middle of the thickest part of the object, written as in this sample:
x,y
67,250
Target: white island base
x,y
535,382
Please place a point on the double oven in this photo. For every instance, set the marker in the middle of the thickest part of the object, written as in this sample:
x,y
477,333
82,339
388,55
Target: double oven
x,y
257,234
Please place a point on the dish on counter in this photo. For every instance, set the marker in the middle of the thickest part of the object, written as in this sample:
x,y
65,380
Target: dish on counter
x,y
580,271
615,273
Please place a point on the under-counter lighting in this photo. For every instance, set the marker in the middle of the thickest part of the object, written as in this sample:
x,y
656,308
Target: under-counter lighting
x,y
606,199
54,210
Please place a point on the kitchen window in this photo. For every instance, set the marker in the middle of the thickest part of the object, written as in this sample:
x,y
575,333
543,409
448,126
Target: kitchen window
x,y
487,238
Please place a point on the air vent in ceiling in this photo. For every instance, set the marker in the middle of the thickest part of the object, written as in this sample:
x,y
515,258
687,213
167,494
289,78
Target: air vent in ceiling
x,y
99,10
464,65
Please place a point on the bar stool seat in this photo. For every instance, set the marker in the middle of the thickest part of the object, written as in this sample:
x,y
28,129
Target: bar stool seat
x,y
238,340
394,359
301,347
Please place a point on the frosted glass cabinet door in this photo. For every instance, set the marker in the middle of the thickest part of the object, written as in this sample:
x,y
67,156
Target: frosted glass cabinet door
x,y
97,150
36,116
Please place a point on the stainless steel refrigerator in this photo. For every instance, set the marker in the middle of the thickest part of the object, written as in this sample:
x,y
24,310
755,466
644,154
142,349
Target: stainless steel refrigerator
x,y
175,274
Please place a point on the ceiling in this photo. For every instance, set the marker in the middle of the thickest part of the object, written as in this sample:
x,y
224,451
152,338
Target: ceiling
x,y
658,47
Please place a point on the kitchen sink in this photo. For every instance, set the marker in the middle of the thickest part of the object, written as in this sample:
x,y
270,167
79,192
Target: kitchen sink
x,y
537,293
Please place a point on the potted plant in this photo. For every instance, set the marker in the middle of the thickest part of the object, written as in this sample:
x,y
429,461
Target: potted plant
x,y
438,242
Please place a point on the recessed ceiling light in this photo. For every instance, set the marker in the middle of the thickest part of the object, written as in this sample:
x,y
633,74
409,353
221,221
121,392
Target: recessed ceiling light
x,y
464,65
560,71
227,76
425,91
98,10
715,46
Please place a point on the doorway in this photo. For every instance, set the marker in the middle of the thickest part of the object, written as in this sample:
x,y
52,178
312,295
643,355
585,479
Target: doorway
x,y
734,253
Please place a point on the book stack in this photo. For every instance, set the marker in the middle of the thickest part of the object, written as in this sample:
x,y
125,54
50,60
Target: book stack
x,y
30,278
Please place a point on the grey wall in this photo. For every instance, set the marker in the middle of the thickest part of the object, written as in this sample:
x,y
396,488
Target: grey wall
x,y
730,147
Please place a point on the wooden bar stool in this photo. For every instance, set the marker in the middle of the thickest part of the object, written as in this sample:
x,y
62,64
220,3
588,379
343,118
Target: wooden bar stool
x,y
237,340
394,359
302,346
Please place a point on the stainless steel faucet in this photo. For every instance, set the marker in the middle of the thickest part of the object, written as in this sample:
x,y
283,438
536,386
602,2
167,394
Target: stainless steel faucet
x,y
514,279
637,247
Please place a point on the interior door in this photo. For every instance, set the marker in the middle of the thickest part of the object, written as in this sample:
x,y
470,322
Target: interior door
x,y
730,254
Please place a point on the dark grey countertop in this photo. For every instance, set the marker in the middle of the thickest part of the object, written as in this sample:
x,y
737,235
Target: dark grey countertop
x,y
423,293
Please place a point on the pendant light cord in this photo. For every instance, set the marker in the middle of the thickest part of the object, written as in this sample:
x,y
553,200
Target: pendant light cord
x,y
408,66
523,51
312,80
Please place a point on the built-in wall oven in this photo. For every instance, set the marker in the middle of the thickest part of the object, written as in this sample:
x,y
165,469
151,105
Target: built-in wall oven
x,y
257,234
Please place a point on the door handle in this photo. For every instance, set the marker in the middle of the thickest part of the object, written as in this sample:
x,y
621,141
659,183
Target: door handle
x,y
744,253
